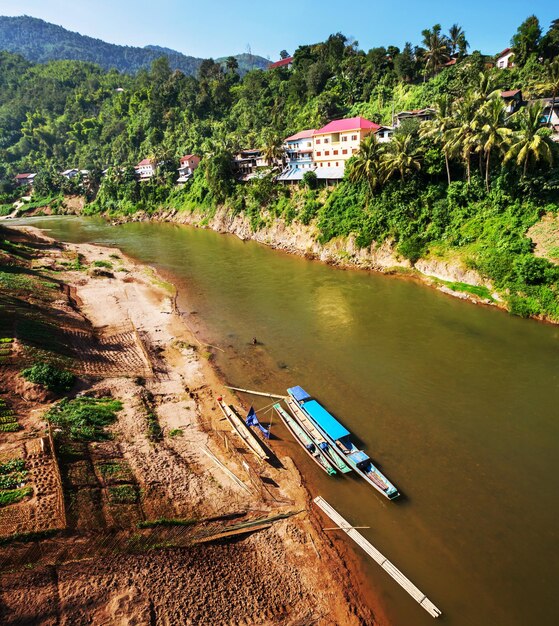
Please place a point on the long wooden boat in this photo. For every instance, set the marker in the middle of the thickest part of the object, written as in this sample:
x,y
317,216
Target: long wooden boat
x,y
305,422
306,442
242,430
340,438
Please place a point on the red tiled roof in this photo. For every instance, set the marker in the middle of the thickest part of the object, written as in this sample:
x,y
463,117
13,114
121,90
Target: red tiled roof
x,y
22,176
303,134
280,63
510,94
145,162
451,62
350,123
188,157
505,51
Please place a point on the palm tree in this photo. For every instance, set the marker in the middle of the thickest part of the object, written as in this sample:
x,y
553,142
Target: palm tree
x,y
494,134
528,143
462,139
366,164
273,150
438,128
436,52
457,40
402,156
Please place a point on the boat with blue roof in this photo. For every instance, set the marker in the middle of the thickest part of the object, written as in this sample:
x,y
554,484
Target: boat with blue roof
x,y
339,439
305,441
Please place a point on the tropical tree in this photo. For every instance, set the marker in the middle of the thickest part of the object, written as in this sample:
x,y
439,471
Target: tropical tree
x,y
436,52
273,150
457,40
493,134
463,138
529,144
526,40
401,157
438,129
366,164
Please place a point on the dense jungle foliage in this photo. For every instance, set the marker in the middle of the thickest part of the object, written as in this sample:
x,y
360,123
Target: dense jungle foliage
x,y
467,185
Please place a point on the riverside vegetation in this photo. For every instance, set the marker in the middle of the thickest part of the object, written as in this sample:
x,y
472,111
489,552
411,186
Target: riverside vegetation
x,y
464,187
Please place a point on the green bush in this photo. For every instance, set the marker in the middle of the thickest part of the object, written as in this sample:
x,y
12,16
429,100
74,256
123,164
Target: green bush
x,y
123,494
49,376
13,480
106,264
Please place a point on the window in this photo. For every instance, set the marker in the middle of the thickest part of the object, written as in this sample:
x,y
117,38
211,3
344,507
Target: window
x,y
321,164
344,138
328,164
353,151
327,153
318,154
335,152
318,141
327,140
354,138
344,151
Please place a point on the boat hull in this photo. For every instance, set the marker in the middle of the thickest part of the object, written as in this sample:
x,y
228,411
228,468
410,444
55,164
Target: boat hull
x,y
242,430
305,441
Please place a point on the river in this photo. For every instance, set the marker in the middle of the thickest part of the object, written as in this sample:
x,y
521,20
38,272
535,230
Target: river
x,y
458,404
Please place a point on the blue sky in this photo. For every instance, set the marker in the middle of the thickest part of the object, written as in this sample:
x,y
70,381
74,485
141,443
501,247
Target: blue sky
x,y
215,28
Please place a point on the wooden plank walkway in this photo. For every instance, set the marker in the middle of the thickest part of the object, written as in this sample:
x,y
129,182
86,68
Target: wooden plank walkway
x,y
391,569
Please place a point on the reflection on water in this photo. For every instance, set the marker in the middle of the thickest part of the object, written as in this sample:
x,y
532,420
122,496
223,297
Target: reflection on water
x,y
458,404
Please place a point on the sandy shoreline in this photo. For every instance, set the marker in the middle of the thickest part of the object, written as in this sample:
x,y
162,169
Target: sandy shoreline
x,y
290,573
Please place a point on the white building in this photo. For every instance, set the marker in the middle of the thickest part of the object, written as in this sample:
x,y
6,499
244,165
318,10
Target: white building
x,y
504,60
384,134
146,169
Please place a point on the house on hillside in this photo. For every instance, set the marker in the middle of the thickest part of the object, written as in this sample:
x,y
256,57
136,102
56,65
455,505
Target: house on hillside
x,y
188,164
550,114
24,180
336,143
504,59
422,115
287,62
69,174
299,153
244,163
512,100
146,169
384,133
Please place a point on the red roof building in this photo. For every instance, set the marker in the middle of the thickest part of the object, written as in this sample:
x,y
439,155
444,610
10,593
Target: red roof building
x,y
281,63
350,123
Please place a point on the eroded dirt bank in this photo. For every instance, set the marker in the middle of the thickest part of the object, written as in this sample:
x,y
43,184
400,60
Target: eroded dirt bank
x,y
116,320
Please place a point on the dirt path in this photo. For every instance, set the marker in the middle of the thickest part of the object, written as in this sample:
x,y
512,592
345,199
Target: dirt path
x,y
146,357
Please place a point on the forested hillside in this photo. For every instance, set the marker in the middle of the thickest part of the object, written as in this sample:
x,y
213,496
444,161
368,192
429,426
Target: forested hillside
x,y
467,185
40,42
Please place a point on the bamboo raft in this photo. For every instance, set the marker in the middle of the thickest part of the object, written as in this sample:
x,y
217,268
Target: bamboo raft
x,y
242,430
391,569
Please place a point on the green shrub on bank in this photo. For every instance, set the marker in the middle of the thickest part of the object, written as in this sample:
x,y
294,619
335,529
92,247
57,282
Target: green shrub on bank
x,y
49,376
11,496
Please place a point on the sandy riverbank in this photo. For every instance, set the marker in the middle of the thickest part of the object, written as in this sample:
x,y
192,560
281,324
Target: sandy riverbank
x,y
290,573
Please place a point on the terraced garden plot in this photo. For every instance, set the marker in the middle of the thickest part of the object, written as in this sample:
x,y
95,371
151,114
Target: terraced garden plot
x,y
114,472
8,419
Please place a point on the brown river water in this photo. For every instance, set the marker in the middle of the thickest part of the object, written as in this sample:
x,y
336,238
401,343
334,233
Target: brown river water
x,y
457,403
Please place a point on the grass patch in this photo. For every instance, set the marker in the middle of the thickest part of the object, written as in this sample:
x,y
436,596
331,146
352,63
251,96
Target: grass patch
x,y
6,340
176,432
11,496
123,494
154,429
106,264
113,471
477,290
84,419
163,521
